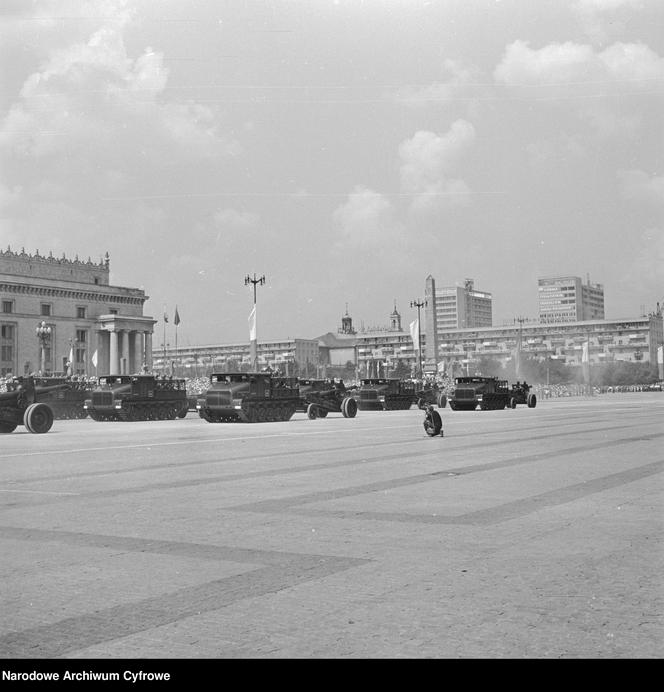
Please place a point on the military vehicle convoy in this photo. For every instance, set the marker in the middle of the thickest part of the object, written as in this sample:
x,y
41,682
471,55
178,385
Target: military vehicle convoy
x,y
320,397
489,393
66,402
249,397
23,404
137,397
385,394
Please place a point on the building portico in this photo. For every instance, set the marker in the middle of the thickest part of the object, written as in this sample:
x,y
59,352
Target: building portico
x,y
124,344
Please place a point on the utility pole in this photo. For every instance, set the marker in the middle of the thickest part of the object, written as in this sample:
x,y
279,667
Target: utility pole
x,y
253,341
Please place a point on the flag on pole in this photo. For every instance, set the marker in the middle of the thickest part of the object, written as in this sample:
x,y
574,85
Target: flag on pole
x,y
176,319
252,324
517,356
414,334
94,358
165,317
71,355
585,362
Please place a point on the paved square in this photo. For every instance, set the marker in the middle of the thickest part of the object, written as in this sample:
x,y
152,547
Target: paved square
x,y
521,533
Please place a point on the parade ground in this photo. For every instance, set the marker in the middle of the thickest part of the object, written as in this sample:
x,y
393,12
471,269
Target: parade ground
x,y
525,533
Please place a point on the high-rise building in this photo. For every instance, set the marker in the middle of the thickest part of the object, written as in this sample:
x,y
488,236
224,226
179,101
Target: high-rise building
x,y
453,307
568,299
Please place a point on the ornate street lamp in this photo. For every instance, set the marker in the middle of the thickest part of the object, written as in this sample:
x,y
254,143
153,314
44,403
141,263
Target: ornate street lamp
x,y
43,332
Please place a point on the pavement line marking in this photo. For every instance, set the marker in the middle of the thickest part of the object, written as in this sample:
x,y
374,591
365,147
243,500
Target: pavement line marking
x,y
38,492
187,442
277,571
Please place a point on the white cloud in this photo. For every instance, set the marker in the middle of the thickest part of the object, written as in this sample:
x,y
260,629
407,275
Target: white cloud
x,y
366,219
571,63
427,159
458,78
638,186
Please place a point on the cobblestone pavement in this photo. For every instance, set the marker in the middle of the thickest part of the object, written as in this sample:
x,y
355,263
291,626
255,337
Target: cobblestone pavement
x,y
522,533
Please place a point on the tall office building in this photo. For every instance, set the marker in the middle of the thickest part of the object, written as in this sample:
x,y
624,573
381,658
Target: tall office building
x,y
568,299
453,307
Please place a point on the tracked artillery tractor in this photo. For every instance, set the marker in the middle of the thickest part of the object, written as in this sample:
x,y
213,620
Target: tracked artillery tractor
x,y
23,404
249,397
137,397
489,393
320,397
385,394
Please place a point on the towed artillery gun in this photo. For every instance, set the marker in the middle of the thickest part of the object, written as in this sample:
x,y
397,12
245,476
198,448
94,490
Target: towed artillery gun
x,y
520,394
320,397
23,404
65,402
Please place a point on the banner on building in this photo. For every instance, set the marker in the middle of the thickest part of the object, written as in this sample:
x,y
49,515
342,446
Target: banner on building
x,y
94,358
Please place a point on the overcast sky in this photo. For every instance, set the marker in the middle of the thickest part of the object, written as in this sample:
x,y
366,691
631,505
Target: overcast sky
x,y
344,149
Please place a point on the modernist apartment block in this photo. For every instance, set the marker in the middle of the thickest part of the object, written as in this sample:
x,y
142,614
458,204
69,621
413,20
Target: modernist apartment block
x,y
568,299
83,316
194,361
634,340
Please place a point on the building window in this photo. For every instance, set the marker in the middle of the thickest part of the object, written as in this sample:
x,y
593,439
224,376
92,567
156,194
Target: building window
x,y
45,310
7,331
113,311
7,306
81,336
7,353
80,313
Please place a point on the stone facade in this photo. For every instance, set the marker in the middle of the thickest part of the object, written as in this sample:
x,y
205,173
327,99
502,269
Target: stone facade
x,y
83,313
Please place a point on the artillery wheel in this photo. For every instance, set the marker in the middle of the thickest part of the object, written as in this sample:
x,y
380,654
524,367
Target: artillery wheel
x,y
433,424
7,427
183,412
349,407
322,412
421,404
312,413
38,418
532,401
512,402
442,401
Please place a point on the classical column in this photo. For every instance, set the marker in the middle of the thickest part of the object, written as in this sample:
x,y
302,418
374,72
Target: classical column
x,y
124,351
114,360
138,352
148,350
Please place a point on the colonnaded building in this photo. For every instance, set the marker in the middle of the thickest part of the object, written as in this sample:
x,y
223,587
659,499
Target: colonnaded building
x,y
59,315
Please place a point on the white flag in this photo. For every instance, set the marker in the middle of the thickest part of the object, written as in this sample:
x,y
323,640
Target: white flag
x,y
94,358
252,324
414,333
71,355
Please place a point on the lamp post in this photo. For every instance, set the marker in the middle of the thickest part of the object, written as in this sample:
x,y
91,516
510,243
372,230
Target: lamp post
x,y
253,342
419,304
43,332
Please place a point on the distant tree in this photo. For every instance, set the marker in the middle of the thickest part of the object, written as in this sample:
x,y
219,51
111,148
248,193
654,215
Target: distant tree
x,y
401,370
